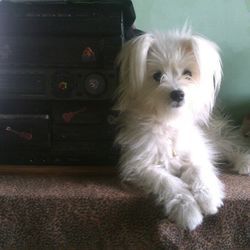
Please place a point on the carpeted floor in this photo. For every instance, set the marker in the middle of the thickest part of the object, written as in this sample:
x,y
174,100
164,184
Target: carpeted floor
x,y
69,212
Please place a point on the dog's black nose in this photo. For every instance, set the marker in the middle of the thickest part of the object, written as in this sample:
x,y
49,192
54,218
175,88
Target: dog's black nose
x,y
177,95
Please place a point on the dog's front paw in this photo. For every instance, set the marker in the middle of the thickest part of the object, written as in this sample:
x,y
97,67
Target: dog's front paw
x,y
208,201
184,210
242,165
206,188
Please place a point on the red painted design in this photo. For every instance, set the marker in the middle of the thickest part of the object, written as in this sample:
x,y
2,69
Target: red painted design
x,y
24,135
69,116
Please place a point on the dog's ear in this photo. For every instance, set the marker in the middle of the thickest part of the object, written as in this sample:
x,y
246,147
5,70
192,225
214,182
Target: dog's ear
x,y
132,63
209,61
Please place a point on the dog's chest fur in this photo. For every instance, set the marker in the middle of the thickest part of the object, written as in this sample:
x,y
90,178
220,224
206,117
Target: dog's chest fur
x,y
173,146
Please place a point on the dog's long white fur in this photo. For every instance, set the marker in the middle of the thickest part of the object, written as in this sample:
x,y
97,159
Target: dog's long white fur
x,y
170,149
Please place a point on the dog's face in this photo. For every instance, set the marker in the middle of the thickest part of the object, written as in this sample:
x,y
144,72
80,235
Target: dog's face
x,y
169,73
172,72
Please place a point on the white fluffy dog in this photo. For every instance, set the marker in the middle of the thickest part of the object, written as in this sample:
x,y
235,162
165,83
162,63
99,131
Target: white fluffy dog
x,y
169,141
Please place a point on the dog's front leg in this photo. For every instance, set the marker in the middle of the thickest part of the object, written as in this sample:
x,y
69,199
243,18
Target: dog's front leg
x,y
207,189
170,191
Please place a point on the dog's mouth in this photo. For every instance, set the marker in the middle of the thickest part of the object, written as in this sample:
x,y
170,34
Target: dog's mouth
x,y
175,104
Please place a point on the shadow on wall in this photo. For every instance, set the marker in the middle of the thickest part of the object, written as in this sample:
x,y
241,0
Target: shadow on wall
x,y
238,112
235,94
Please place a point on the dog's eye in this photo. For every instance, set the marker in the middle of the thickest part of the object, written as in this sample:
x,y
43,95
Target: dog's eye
x,y
157,76
187,73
